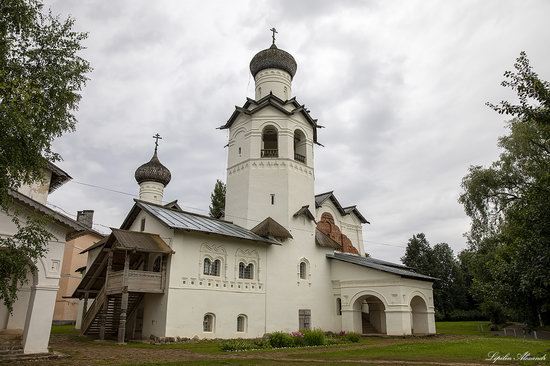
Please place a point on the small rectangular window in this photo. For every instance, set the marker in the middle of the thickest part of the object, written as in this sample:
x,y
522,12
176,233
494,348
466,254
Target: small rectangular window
x,y
304,318
142,224
272,198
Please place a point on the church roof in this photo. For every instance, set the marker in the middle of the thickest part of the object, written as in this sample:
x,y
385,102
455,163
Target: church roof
x,y
323,240
273,58
59,177
60,218
380,265
252,106
322,197
192,222
271,228
306,212
138,241
153,171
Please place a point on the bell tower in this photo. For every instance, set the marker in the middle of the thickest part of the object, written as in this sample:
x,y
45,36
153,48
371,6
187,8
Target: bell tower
x,y
270,168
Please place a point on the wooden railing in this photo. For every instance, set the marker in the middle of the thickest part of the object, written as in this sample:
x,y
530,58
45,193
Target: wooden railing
x,y
270,153
93,310
137,281
300,158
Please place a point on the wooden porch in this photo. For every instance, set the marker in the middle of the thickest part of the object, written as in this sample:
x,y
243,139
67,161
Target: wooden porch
x,y
129,265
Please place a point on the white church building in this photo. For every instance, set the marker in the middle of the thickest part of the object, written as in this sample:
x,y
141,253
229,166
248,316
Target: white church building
x,y
283,259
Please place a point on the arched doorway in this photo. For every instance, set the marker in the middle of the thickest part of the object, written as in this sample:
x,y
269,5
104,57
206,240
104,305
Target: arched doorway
x,y
369,315
419,316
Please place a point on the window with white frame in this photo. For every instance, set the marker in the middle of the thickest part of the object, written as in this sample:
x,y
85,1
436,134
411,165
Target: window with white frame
x,y
246,271
241,323
338,306
208,322
211,268
303,270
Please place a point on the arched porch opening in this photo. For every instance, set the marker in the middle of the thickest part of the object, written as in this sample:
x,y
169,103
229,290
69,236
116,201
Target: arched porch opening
x,y
369,315
299,146
419,316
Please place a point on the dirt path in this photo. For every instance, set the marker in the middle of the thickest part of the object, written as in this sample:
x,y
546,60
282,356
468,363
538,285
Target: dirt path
x,y
84,352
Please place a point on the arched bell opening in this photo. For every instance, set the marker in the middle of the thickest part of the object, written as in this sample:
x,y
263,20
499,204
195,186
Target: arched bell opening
x,y
270,142
300,147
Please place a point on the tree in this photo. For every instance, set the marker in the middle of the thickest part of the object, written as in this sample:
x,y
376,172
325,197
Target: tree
x,y
418,254
41,76
439,262
217,198
509,204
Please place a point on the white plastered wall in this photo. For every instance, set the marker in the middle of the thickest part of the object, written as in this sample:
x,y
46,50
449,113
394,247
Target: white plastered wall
x,y
353,283
33,312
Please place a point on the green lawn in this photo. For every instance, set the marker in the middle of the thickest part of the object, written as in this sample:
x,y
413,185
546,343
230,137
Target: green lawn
x,y
456,342
463,328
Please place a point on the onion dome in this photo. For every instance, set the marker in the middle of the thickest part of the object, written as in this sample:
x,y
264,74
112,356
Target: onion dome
x,y
273,58
153,171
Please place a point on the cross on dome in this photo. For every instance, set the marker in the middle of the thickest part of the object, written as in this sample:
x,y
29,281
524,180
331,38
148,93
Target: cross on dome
x,y
157,138
273,30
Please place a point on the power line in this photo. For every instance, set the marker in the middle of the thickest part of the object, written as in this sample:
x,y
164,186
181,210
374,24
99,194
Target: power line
x,y
206,211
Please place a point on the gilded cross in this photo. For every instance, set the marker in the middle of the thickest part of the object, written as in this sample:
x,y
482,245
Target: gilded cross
x,y
273,30
157,138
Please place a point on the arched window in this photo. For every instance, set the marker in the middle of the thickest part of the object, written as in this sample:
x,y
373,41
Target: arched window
x,y
338,306
208,322
157,264
215,269
241,323
303,270
270,142
299,146
246,272
212,268
207,265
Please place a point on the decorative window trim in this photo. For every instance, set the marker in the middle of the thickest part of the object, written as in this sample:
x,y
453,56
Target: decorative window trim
x,y
213,253
247,268
247,256
307,277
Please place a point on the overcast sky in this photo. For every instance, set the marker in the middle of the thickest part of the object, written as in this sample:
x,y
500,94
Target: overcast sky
x,y
400,86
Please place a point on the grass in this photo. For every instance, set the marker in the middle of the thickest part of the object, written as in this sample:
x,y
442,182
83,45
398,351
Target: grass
x,y
457,342
470,348
64,329
463,328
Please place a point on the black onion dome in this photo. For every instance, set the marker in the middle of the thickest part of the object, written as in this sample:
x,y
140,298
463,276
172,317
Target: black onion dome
x,y
273,58
153,171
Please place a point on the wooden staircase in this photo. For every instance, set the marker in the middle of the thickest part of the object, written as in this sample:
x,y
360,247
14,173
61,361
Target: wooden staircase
x,y
93,318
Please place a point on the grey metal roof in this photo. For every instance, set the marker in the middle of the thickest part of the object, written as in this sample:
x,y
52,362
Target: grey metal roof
x,y
377,264
182,220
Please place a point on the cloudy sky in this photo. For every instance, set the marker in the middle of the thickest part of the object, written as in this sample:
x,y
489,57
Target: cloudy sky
x,y
400,86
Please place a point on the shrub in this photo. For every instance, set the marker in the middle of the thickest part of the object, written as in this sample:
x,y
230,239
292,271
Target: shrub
x,y
315,337
281,339
236,345
298,338
467,315
261,343
352,337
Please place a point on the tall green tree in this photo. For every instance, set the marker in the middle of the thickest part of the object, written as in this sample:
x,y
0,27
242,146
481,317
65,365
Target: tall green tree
x,y
441,263
41,76
509,204
217,200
